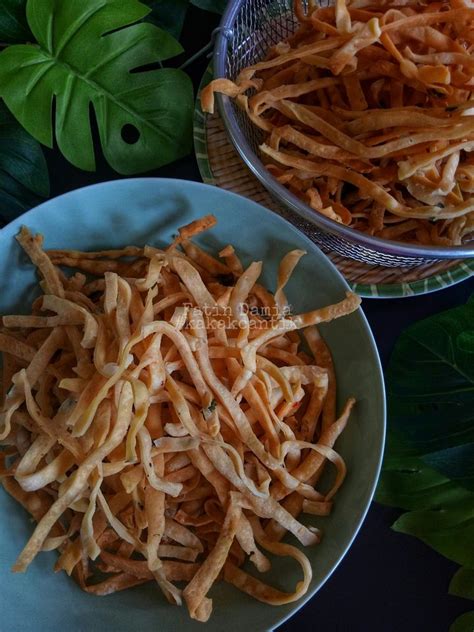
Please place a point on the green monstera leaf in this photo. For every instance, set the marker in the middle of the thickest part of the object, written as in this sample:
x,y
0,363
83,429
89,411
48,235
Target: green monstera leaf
x,y
13,25
171,14
428,461
24,180
216,6
168,15
89,54
464,623
430,380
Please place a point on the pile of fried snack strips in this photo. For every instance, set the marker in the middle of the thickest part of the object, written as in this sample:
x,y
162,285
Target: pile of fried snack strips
x,y
365,113
163,421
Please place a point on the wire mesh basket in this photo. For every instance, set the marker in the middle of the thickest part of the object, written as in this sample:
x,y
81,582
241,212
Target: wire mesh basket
x,y
248,29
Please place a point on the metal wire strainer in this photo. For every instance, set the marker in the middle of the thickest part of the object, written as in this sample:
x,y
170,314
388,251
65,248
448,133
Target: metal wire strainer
x,y
248,29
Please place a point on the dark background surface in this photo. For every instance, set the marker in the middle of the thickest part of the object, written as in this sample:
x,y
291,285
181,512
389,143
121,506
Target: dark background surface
x,y
388,582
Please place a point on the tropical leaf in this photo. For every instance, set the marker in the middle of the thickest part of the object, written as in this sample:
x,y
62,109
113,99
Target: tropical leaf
x,y
464,623
411,484
456,463
440,511
448,529
462,584
90,53
24,177
216,6
168,15
430,450
466,342
430,381
13,25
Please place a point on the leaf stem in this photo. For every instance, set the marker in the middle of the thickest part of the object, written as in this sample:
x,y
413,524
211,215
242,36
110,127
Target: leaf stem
x,y
200,53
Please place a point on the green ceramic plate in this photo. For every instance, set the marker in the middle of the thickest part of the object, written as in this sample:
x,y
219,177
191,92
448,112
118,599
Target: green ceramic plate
x,y
149,211
456,274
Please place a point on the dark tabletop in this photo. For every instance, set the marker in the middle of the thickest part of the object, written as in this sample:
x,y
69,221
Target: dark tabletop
x,y
388,582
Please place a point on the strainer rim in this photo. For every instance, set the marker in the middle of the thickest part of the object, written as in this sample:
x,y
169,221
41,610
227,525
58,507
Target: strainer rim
x,y
288,199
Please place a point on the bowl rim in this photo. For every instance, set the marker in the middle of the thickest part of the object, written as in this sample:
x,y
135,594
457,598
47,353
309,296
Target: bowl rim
x,y
291,201
372,349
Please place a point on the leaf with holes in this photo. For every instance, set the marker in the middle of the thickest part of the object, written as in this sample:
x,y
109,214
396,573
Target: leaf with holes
x,y
430,449
89,53
24,180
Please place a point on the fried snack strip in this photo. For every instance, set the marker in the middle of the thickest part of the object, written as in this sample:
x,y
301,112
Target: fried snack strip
x,y
367,116
167,425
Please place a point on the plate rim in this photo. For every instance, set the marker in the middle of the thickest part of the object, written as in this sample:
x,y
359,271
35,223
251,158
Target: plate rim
x,y
372,346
